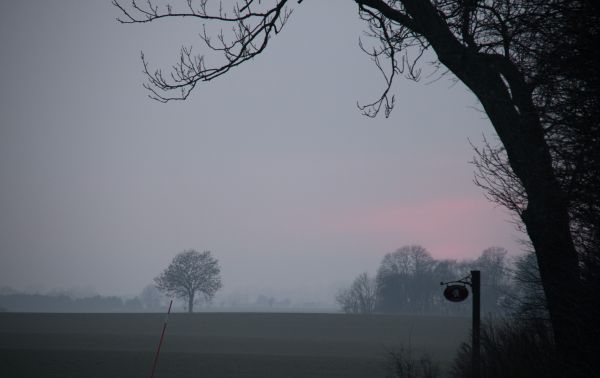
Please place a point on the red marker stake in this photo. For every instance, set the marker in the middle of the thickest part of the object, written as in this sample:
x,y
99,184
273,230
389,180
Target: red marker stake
x,y
162,335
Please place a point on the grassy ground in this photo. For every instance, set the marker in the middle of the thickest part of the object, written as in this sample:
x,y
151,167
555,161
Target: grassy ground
x,y
217,345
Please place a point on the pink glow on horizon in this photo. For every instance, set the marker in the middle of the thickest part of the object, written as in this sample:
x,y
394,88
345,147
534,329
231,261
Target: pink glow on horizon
x,y
453,228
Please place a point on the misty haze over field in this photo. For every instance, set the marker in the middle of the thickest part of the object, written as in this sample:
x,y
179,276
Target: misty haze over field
x,y
272,167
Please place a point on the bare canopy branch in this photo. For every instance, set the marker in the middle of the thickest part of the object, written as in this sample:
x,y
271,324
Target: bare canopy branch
x,y
396,41
496,178
252,25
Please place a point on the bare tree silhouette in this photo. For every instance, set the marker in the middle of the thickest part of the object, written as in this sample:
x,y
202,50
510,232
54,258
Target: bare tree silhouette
x,y
191,273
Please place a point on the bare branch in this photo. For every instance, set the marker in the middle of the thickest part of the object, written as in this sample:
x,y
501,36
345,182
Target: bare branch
x,y
494,175
393,39
250,33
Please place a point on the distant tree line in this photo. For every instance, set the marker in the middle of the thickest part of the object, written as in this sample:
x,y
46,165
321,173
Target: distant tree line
x,y
408,281
64,303
191,276
147,301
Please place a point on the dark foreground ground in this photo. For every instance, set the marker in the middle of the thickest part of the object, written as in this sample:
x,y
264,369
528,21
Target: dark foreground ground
x,y
218,345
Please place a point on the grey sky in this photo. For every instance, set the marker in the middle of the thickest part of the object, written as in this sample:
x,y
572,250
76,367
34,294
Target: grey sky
x,y
272,167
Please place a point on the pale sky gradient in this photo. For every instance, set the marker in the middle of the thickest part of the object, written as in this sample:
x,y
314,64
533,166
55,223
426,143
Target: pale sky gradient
x,y
272,167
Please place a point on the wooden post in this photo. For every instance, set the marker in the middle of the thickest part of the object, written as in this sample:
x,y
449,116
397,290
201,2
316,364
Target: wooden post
x,y
476,331
458,293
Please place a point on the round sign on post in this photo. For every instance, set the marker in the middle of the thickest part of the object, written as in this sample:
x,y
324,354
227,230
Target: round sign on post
x,y
456,293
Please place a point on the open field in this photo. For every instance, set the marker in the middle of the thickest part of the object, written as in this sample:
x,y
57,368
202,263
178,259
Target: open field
x,y
218,344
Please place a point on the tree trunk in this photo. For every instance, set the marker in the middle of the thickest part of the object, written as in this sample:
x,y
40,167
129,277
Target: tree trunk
x,y
546,216
508,102
191,302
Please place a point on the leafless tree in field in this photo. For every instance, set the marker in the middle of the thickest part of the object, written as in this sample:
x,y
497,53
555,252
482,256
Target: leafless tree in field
x,y
360,297
191,273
